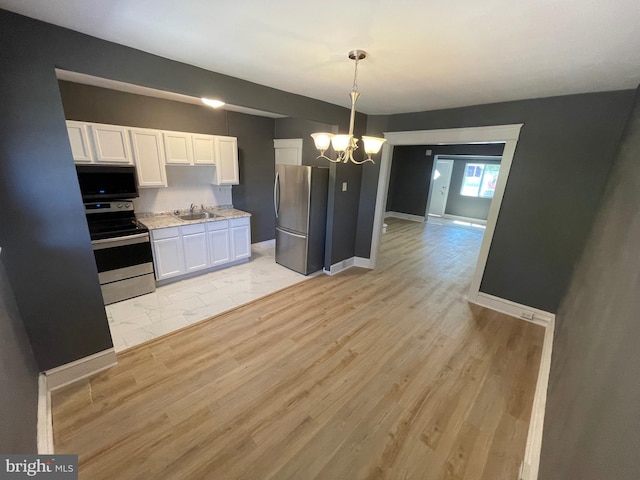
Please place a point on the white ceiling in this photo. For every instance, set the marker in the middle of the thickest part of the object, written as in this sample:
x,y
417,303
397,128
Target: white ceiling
x,y
423,54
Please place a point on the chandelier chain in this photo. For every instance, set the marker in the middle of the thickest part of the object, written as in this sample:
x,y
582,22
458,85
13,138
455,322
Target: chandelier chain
x,y
355,76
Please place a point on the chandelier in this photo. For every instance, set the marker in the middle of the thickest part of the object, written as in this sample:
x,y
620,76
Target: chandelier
x,y
345,145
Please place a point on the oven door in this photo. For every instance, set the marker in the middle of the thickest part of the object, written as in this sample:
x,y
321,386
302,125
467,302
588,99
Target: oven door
x,y
125,266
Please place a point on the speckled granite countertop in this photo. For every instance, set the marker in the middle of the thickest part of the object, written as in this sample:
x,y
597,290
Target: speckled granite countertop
x,y
168,219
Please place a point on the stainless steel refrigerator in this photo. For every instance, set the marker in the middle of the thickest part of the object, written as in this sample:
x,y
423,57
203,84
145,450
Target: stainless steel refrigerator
x,y
300,203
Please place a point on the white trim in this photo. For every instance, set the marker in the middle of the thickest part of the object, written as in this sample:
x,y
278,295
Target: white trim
x,y
507,134
479,221
45,419
531,463
79,369
405,216
340,266
362,262
514,309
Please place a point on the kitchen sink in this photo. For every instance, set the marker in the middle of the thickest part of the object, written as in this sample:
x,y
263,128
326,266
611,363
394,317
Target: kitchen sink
x,y
197,216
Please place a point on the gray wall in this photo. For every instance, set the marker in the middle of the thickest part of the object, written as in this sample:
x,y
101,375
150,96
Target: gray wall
x,y
18,378
257,172
558,174
255,137
592,421
464,206
409,180
49,260
303,128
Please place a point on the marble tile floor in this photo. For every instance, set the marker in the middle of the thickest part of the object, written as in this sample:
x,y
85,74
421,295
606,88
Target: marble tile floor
x,y
177,305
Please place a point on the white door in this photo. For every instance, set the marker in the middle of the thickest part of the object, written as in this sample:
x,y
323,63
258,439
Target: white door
x,y
440,190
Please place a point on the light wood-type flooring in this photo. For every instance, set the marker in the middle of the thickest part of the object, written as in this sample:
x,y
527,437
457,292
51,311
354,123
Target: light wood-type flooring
x,y
367,374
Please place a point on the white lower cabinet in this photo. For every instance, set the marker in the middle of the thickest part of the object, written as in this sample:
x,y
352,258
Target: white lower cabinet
x,y
219,247
168,255
240,238
182,250
194,243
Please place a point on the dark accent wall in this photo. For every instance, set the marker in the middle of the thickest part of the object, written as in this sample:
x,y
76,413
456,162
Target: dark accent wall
x,y
592,421
255,137
409,180
461,205
49,261
303,128
18,378
257,172
557,178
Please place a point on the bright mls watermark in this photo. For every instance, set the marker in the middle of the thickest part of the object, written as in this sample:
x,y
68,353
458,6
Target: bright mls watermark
x,y
52,467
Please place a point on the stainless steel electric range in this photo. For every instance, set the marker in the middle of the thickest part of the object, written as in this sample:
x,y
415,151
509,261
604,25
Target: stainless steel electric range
x,y
122,250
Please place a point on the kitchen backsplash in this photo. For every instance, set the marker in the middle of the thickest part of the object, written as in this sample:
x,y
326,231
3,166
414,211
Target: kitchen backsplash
x,y
186,185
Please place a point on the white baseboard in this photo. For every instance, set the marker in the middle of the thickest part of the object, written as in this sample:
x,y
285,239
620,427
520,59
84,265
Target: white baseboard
x,y
514,309
405,216
45,420
340,266
465,219
79,369
362,262
531,463
348,263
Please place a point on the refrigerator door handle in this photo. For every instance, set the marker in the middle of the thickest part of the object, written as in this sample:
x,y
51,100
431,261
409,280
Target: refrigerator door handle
x,y
291,233
276,186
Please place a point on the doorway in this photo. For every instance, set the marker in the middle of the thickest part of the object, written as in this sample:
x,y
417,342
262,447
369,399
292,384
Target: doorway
x,y
507,134
441,179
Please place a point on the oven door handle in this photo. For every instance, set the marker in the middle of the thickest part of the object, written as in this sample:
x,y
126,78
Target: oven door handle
x,y
120,241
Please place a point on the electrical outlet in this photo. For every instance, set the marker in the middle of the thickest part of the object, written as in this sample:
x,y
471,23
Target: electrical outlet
x,y
527,315
344,186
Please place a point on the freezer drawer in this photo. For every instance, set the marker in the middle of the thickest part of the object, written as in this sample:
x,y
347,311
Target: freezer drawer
x,y
291,251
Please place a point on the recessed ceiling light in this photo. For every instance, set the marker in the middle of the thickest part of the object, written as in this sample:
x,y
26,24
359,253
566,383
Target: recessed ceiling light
x,y
212,103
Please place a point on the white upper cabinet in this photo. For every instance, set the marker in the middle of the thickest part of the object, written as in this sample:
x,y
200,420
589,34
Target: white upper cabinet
x,y
178,148
112,144
189,148
148,152
288,151
151,150
79,140
203,149
227,161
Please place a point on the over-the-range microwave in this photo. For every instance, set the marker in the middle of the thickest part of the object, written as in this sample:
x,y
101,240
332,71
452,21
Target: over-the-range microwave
x,y
107,182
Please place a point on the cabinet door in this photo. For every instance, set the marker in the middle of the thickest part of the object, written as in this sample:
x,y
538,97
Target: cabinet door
x,y
79,140
240,242
195,251
112,144
226,161
219,247
148,153
178,150
203,150
168,257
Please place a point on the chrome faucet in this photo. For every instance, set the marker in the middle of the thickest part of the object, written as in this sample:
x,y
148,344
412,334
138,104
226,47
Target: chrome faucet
x,y
192,208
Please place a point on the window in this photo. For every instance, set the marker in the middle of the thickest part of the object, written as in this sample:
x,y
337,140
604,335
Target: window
x,y
479,180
